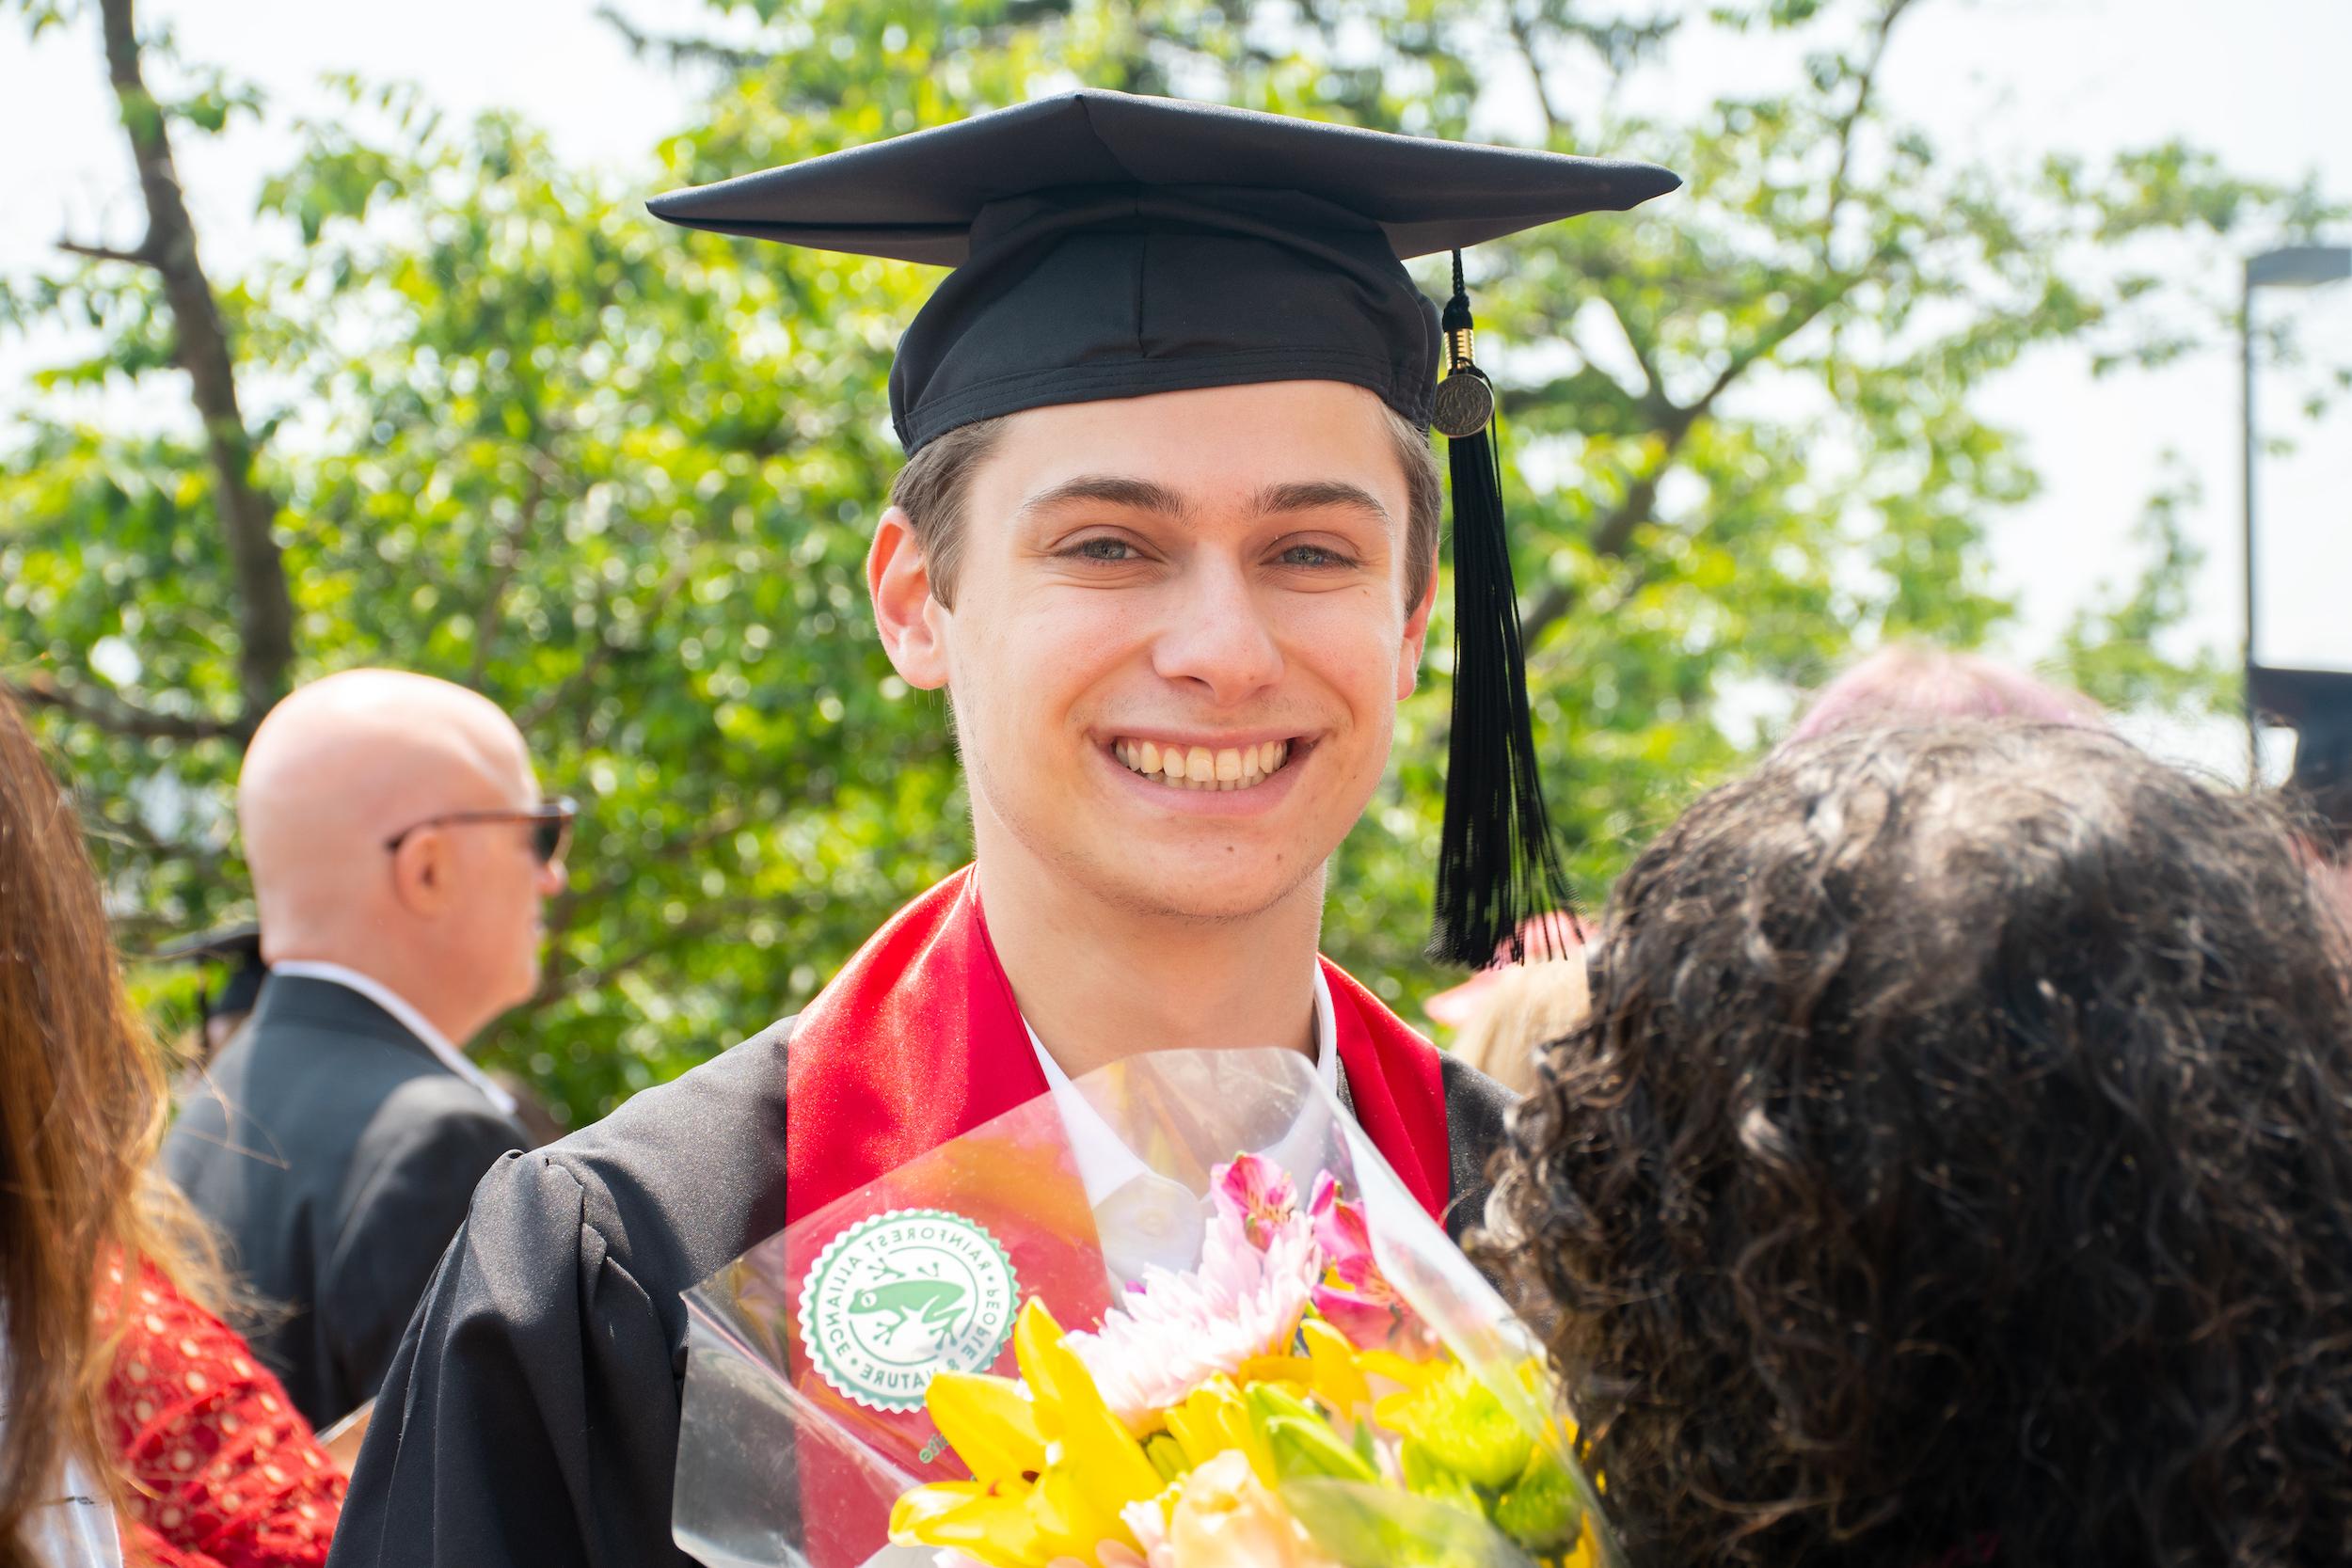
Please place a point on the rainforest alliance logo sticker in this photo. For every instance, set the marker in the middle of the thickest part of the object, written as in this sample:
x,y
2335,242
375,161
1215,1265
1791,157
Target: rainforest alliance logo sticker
x,y
902,1296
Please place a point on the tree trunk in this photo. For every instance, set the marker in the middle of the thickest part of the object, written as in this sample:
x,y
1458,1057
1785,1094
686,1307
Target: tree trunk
x,y
265,657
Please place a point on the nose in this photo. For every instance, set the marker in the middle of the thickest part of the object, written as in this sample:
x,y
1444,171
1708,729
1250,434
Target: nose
x,y
553,877
1216,637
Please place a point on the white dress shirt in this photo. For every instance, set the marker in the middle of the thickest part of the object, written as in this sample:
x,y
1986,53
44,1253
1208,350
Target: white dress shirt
x,y
1142,1217
409,1019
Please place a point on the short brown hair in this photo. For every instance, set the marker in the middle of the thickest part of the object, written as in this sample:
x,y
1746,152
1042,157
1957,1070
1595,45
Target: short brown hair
x,y
932,488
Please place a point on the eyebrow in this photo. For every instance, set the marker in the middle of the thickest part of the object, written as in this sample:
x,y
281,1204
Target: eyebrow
x,y
1136,495
1321,495
1142,494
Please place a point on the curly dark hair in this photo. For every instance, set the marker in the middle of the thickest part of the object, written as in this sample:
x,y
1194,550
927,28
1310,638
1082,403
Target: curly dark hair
x,y
1956,1165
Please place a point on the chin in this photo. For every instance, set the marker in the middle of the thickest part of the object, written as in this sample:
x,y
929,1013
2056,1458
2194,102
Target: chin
x,y
526,986
1194,888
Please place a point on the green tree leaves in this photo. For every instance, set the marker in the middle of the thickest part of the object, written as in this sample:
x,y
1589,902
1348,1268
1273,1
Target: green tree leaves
x,y
620,478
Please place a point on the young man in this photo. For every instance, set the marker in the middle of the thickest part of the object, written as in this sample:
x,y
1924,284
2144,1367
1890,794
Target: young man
x,y
1167,537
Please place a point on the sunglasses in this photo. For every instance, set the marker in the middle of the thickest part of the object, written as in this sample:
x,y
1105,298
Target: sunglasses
x,y
551,826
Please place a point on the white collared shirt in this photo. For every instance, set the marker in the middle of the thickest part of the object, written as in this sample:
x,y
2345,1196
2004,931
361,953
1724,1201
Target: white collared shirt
x,y
1142,1217
408,1017
70,1524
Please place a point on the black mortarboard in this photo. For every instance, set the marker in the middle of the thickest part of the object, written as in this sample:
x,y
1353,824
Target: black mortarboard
x,y
2318,704
1107,245
239,950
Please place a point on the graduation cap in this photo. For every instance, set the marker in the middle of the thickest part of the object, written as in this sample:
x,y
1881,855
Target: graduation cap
x,y
239,949
1107,246
2318,704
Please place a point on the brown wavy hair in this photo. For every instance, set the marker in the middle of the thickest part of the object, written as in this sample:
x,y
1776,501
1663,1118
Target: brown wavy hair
x,y
1956,1166
82,1108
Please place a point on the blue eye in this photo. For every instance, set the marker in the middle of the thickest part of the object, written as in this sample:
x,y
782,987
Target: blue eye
x,y
1103,549
1314,555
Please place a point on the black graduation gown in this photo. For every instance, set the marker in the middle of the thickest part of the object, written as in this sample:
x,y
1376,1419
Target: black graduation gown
x,y
530,1417
335,1154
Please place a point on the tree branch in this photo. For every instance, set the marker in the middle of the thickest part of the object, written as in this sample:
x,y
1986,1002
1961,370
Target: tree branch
x,y
265,656
1853,116
134,835
143,256
1525,43
1644,355
116,717
679,50
1614,534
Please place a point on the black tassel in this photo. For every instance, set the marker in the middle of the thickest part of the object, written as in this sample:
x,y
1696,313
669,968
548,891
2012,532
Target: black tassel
x,y
1496,863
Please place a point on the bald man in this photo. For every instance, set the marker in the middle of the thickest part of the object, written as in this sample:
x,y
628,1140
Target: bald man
x,y
400,851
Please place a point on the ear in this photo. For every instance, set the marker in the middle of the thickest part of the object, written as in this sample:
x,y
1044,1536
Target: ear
x,y
912,623
423,878
1417,634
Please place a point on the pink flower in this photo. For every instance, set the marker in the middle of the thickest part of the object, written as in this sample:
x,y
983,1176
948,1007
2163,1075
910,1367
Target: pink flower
x,y
1354,1295
1340,1227
1256,1190
1176,1331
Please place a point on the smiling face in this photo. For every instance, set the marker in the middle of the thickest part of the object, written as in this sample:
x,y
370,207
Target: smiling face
x,y
1181,630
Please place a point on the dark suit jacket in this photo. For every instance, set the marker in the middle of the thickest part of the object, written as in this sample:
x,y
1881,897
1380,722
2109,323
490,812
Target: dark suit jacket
x,y
336,1154
531,1416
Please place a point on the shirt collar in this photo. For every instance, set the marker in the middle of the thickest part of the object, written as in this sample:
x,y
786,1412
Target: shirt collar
x,y
1105,1163
405,1014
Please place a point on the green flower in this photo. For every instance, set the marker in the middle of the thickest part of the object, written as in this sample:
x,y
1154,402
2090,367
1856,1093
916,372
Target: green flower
x,y
1427,1475
1462,1426
1540,1510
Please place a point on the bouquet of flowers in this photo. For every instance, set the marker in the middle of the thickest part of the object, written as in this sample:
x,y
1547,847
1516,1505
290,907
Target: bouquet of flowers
x,y
1106,1330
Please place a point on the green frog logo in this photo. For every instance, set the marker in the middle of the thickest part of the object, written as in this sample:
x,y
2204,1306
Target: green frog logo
x,y
931,1301
900,1297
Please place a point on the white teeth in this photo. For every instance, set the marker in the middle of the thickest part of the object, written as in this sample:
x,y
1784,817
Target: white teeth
x,y
1199,768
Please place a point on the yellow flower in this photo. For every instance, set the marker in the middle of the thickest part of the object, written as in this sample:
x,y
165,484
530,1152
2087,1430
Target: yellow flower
x,y
1297,1371
1399,1370
993,1526
990,1423
1333,1374
1087,1466
1212,1420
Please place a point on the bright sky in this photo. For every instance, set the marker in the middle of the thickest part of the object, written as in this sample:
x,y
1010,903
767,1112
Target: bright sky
x,y
2260,81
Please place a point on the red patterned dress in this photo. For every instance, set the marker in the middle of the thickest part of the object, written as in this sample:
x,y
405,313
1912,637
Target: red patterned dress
x,y
224,1472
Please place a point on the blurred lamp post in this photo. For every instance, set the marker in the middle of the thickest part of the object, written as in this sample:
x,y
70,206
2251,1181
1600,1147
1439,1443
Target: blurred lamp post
x,y
2301,267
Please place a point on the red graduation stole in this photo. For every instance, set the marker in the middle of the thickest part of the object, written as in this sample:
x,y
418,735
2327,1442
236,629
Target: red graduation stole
x,y
919,1040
